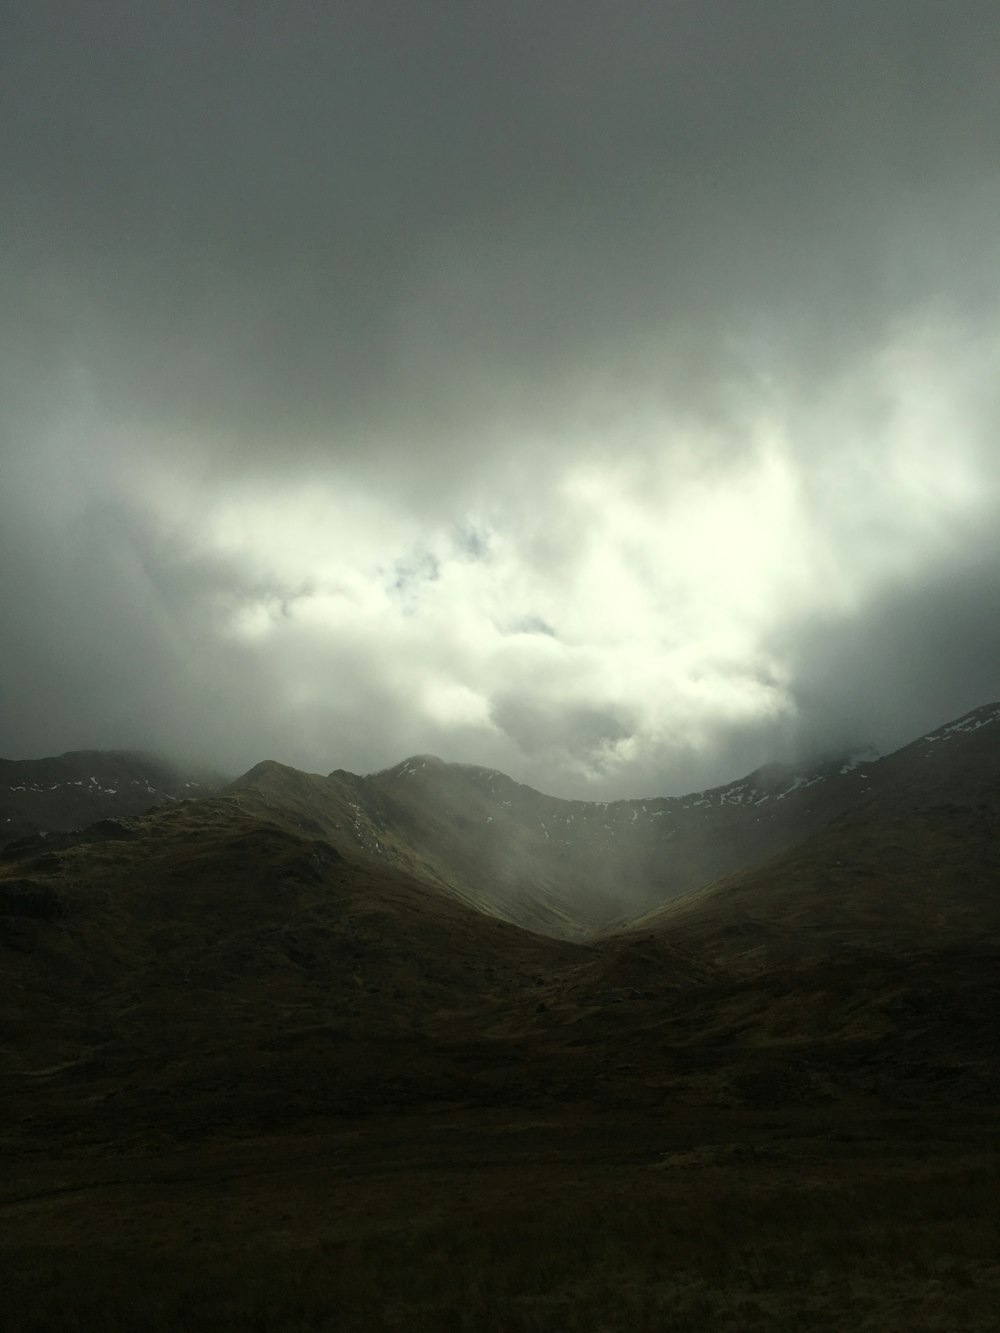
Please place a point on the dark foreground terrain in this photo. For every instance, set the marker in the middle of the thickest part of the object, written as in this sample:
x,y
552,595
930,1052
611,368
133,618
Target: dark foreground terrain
x,y
253,1077
568,1218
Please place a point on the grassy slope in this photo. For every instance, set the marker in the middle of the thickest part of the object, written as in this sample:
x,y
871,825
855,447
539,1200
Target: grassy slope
x,y
444,832
219,969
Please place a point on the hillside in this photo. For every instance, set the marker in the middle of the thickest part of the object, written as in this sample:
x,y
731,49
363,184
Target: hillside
x,y
252,932
260,1068
567,867
206,966
562,867
870,950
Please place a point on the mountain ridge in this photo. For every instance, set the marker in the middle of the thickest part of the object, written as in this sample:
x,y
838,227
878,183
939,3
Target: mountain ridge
x,y
62,792
259,940
565,867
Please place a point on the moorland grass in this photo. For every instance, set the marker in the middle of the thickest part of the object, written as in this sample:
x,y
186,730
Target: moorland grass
x,y
710,1251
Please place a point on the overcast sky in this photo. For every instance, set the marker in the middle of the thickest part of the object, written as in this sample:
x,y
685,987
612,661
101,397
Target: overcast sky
x,y
606,391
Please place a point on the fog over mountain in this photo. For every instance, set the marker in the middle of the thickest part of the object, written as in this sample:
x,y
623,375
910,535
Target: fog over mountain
x,y
605,393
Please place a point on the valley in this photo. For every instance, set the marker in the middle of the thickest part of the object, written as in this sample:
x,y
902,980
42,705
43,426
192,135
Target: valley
x,y
298,1053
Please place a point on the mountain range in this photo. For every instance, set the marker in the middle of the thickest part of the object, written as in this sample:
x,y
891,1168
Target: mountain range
x,y
561,867
79,788
432,984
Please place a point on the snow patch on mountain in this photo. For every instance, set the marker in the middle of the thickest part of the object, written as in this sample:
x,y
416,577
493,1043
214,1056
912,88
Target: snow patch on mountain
x,y
979,717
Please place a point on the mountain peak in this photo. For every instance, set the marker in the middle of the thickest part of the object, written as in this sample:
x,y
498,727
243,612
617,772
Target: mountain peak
x,y
265,767
414,764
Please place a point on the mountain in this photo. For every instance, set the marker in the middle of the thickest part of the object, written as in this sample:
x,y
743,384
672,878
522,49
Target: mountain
x,y
264,1057
568,867
867,955
561,867
220,964
206,965
83,786
266,936
915,865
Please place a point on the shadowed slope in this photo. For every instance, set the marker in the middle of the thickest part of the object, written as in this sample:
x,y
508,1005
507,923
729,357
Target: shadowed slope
x,y
916,863
215,970
218,969
866,957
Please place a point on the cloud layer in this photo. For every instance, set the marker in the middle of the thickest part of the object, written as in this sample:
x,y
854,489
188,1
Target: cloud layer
x,y
605,393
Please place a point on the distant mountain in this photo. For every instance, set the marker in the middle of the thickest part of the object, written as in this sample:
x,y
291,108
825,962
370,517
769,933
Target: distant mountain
x,y
83,786
915,863
567,867
561,867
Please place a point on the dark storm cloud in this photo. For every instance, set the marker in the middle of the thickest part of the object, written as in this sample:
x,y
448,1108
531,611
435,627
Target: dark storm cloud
x,y
920,656
432,258
248,219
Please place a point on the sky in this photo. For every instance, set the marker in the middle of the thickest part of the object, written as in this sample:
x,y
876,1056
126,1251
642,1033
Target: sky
x,y
605,392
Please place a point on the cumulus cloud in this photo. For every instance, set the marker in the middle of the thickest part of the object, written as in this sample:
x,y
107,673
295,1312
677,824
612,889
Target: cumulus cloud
x,y
605,393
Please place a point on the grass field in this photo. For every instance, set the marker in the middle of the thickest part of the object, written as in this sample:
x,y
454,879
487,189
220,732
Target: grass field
x,y
487,1223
